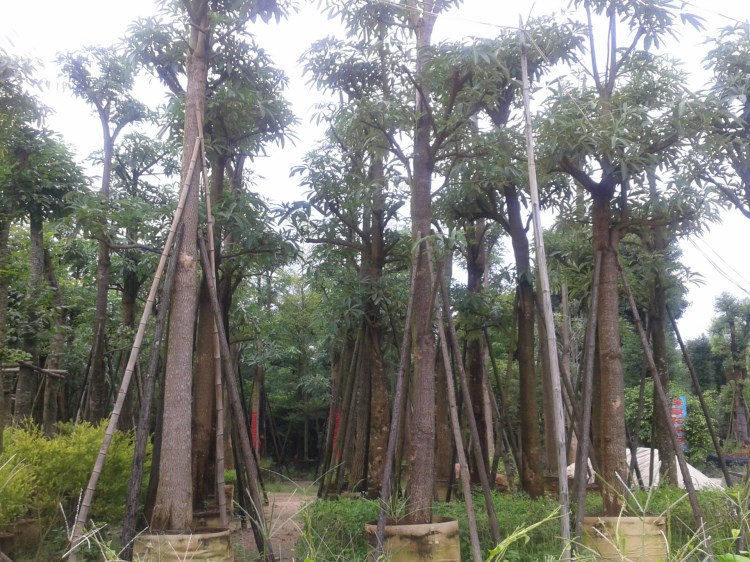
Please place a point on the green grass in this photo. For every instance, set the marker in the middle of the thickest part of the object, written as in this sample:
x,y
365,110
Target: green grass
x,y
334,528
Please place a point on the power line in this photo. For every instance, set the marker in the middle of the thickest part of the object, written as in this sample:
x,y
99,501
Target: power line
x,y
718,268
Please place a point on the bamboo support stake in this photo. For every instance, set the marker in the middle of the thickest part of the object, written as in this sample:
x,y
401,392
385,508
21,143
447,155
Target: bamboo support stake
x,y
476,550
473,431
399,397
144,415
88,496
557,407
584,441
257,520
666,412
218,393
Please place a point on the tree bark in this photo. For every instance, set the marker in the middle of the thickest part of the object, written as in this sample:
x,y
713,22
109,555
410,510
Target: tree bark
x,y
173,508
532,481
422,435
609,435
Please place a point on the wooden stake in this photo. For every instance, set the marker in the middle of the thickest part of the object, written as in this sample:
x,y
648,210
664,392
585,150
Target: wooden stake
x,y
584,441
557,406
471,519
473,432
398,406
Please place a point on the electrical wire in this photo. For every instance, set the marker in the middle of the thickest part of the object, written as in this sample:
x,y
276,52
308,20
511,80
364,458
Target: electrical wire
x,y
718,268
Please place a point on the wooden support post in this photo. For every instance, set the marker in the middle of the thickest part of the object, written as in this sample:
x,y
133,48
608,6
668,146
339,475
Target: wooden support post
x,y
399,398
476,550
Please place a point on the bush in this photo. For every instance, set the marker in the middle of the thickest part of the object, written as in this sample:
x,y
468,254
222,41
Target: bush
x,y
59,469
16,489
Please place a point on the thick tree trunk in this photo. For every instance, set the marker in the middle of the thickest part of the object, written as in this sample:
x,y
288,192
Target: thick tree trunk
x,y
173,508
609,434
532,481
422,436
358,469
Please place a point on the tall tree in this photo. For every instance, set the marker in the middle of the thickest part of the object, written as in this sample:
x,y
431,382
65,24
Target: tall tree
x,y
104,79
630,120
211,27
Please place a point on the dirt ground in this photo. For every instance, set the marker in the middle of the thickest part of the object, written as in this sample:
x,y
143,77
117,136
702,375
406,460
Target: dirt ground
x,y
285,523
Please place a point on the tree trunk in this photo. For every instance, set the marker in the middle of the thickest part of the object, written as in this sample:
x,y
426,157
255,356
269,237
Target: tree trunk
x,y
98,397
739,372
609,434
56,350
475,368
173,508
422,437
28,378
532,481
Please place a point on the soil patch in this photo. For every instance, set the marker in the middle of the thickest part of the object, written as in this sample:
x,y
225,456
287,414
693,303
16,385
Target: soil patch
x,y
285,523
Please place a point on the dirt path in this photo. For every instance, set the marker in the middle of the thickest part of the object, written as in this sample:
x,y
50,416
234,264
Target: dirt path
x,y
285,523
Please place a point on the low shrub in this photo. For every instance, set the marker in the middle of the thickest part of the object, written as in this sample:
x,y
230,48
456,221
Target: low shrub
x,y
16,488
59,468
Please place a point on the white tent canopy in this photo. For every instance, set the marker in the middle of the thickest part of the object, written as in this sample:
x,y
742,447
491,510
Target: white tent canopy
x,y
643,457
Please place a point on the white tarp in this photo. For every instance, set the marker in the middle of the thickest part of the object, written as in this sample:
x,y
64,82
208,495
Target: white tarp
x,y
643,457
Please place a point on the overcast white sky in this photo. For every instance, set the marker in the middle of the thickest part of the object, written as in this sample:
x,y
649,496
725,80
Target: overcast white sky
x,y
43,28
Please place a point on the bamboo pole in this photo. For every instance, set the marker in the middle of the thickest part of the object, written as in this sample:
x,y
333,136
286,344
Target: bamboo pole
x,y
704,406
473,432
584,439
218,393
666,412
230,376
476,550
398,406
557,407
88,496
144,414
